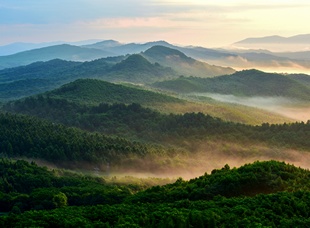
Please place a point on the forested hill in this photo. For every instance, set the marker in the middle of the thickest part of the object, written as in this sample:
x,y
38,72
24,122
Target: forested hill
x,y
139,123
248,180
279,197
23,136
94,92
136,68
242,83
43,76
183,64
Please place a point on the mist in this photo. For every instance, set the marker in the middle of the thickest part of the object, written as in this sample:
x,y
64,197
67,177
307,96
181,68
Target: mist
x,y
268,65
287,107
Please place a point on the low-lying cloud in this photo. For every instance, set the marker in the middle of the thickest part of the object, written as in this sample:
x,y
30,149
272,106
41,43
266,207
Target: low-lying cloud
x,y
284,106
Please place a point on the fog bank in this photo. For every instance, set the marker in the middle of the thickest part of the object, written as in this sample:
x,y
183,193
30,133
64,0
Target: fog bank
x,y
291,108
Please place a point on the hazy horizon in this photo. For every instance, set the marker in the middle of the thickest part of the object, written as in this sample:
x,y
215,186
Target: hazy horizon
x,y
182,22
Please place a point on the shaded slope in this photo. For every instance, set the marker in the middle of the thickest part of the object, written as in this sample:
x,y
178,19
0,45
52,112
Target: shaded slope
x,y
137,69
243,83
183,64
301,78
92,91
43,76
39,77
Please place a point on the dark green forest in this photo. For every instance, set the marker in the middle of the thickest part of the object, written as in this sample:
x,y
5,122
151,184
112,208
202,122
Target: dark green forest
x,y
146,125
261,194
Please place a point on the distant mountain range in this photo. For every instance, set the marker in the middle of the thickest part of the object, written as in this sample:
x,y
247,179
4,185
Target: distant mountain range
x,y
287,56
277,43
302,39
14,48
41,76
63,51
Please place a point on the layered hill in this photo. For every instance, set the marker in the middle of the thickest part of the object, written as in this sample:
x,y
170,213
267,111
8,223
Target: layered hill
x,y
94,92
183,64
137,69
42,76
243,83
63,51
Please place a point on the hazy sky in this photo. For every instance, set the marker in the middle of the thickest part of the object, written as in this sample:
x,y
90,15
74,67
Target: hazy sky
x,y
196,22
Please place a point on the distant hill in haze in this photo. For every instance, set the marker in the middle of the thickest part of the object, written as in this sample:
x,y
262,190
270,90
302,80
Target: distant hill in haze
x,y
183,64
305,38
64,52
243,83
14,48
277,43
124,49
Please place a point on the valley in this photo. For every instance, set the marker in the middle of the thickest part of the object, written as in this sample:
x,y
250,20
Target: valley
x,y
146,135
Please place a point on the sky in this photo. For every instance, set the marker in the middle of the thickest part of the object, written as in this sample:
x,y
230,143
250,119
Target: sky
x,y
197,22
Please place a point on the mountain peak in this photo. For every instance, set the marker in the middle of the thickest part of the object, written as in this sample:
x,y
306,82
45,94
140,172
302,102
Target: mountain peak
x,y
104,44
162,52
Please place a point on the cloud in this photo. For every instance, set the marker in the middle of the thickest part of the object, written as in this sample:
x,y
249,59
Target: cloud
x,y
196,22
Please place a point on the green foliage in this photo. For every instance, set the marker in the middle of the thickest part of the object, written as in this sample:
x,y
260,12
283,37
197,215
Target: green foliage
x,y
138,123
26,186
248,180
94,92
34,138
282,206
44,76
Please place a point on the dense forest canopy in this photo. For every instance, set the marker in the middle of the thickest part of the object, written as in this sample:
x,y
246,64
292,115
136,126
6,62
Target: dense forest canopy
x,y
270,193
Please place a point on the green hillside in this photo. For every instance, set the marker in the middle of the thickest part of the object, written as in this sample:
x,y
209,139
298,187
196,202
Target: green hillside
x,y
94,92
301,78
180,130
137,69
243,83
183,64
44,76
262,194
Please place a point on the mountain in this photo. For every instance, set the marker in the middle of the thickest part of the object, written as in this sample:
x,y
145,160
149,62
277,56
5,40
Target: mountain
x,y
277,43
42,76
305,38
39,77
125,49
183,64
14,48
243,83
137,69
94,92
63,51
106,44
